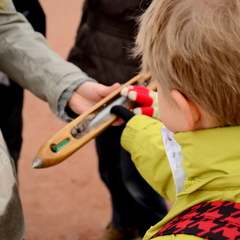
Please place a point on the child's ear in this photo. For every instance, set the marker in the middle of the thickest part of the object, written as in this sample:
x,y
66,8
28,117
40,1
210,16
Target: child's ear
x,y
189,110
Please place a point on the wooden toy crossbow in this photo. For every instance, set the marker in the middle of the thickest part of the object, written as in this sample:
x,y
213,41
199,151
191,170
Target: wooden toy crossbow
x,y
86,127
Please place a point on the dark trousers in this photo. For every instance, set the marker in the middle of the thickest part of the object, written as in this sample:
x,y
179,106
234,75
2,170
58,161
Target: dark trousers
x,y
134,202
11,122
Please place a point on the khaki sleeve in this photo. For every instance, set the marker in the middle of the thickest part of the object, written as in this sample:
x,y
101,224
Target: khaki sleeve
x,y
26,57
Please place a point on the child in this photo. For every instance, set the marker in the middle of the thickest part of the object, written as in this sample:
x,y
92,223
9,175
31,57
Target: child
x,y
192,49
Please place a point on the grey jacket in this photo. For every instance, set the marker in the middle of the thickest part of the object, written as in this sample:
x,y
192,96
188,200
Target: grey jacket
x,y
26,58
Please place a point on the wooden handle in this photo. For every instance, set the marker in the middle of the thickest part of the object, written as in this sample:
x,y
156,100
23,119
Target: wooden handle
x,y
46,157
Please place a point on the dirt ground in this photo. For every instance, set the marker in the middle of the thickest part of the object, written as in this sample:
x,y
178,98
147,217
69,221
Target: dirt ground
x,y
67,201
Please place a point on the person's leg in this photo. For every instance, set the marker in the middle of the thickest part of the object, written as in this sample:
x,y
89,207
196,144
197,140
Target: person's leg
x,y
149,207
11,98
108,149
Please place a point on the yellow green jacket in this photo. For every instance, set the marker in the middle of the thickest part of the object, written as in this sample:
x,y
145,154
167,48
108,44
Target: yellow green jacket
x,y
210,160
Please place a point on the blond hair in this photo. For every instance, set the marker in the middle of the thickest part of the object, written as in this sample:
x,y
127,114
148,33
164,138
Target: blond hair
x,y
194,46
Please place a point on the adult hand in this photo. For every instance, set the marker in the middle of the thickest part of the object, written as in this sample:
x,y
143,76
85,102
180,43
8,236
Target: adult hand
x,y
88,94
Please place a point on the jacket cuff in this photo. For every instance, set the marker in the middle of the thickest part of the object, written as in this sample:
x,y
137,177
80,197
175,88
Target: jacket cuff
x,y
64,112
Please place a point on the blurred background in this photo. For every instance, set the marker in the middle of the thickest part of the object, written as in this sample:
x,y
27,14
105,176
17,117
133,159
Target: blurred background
x,y
67,201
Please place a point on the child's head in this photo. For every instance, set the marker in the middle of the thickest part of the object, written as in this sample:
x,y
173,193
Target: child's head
x,y
193,46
